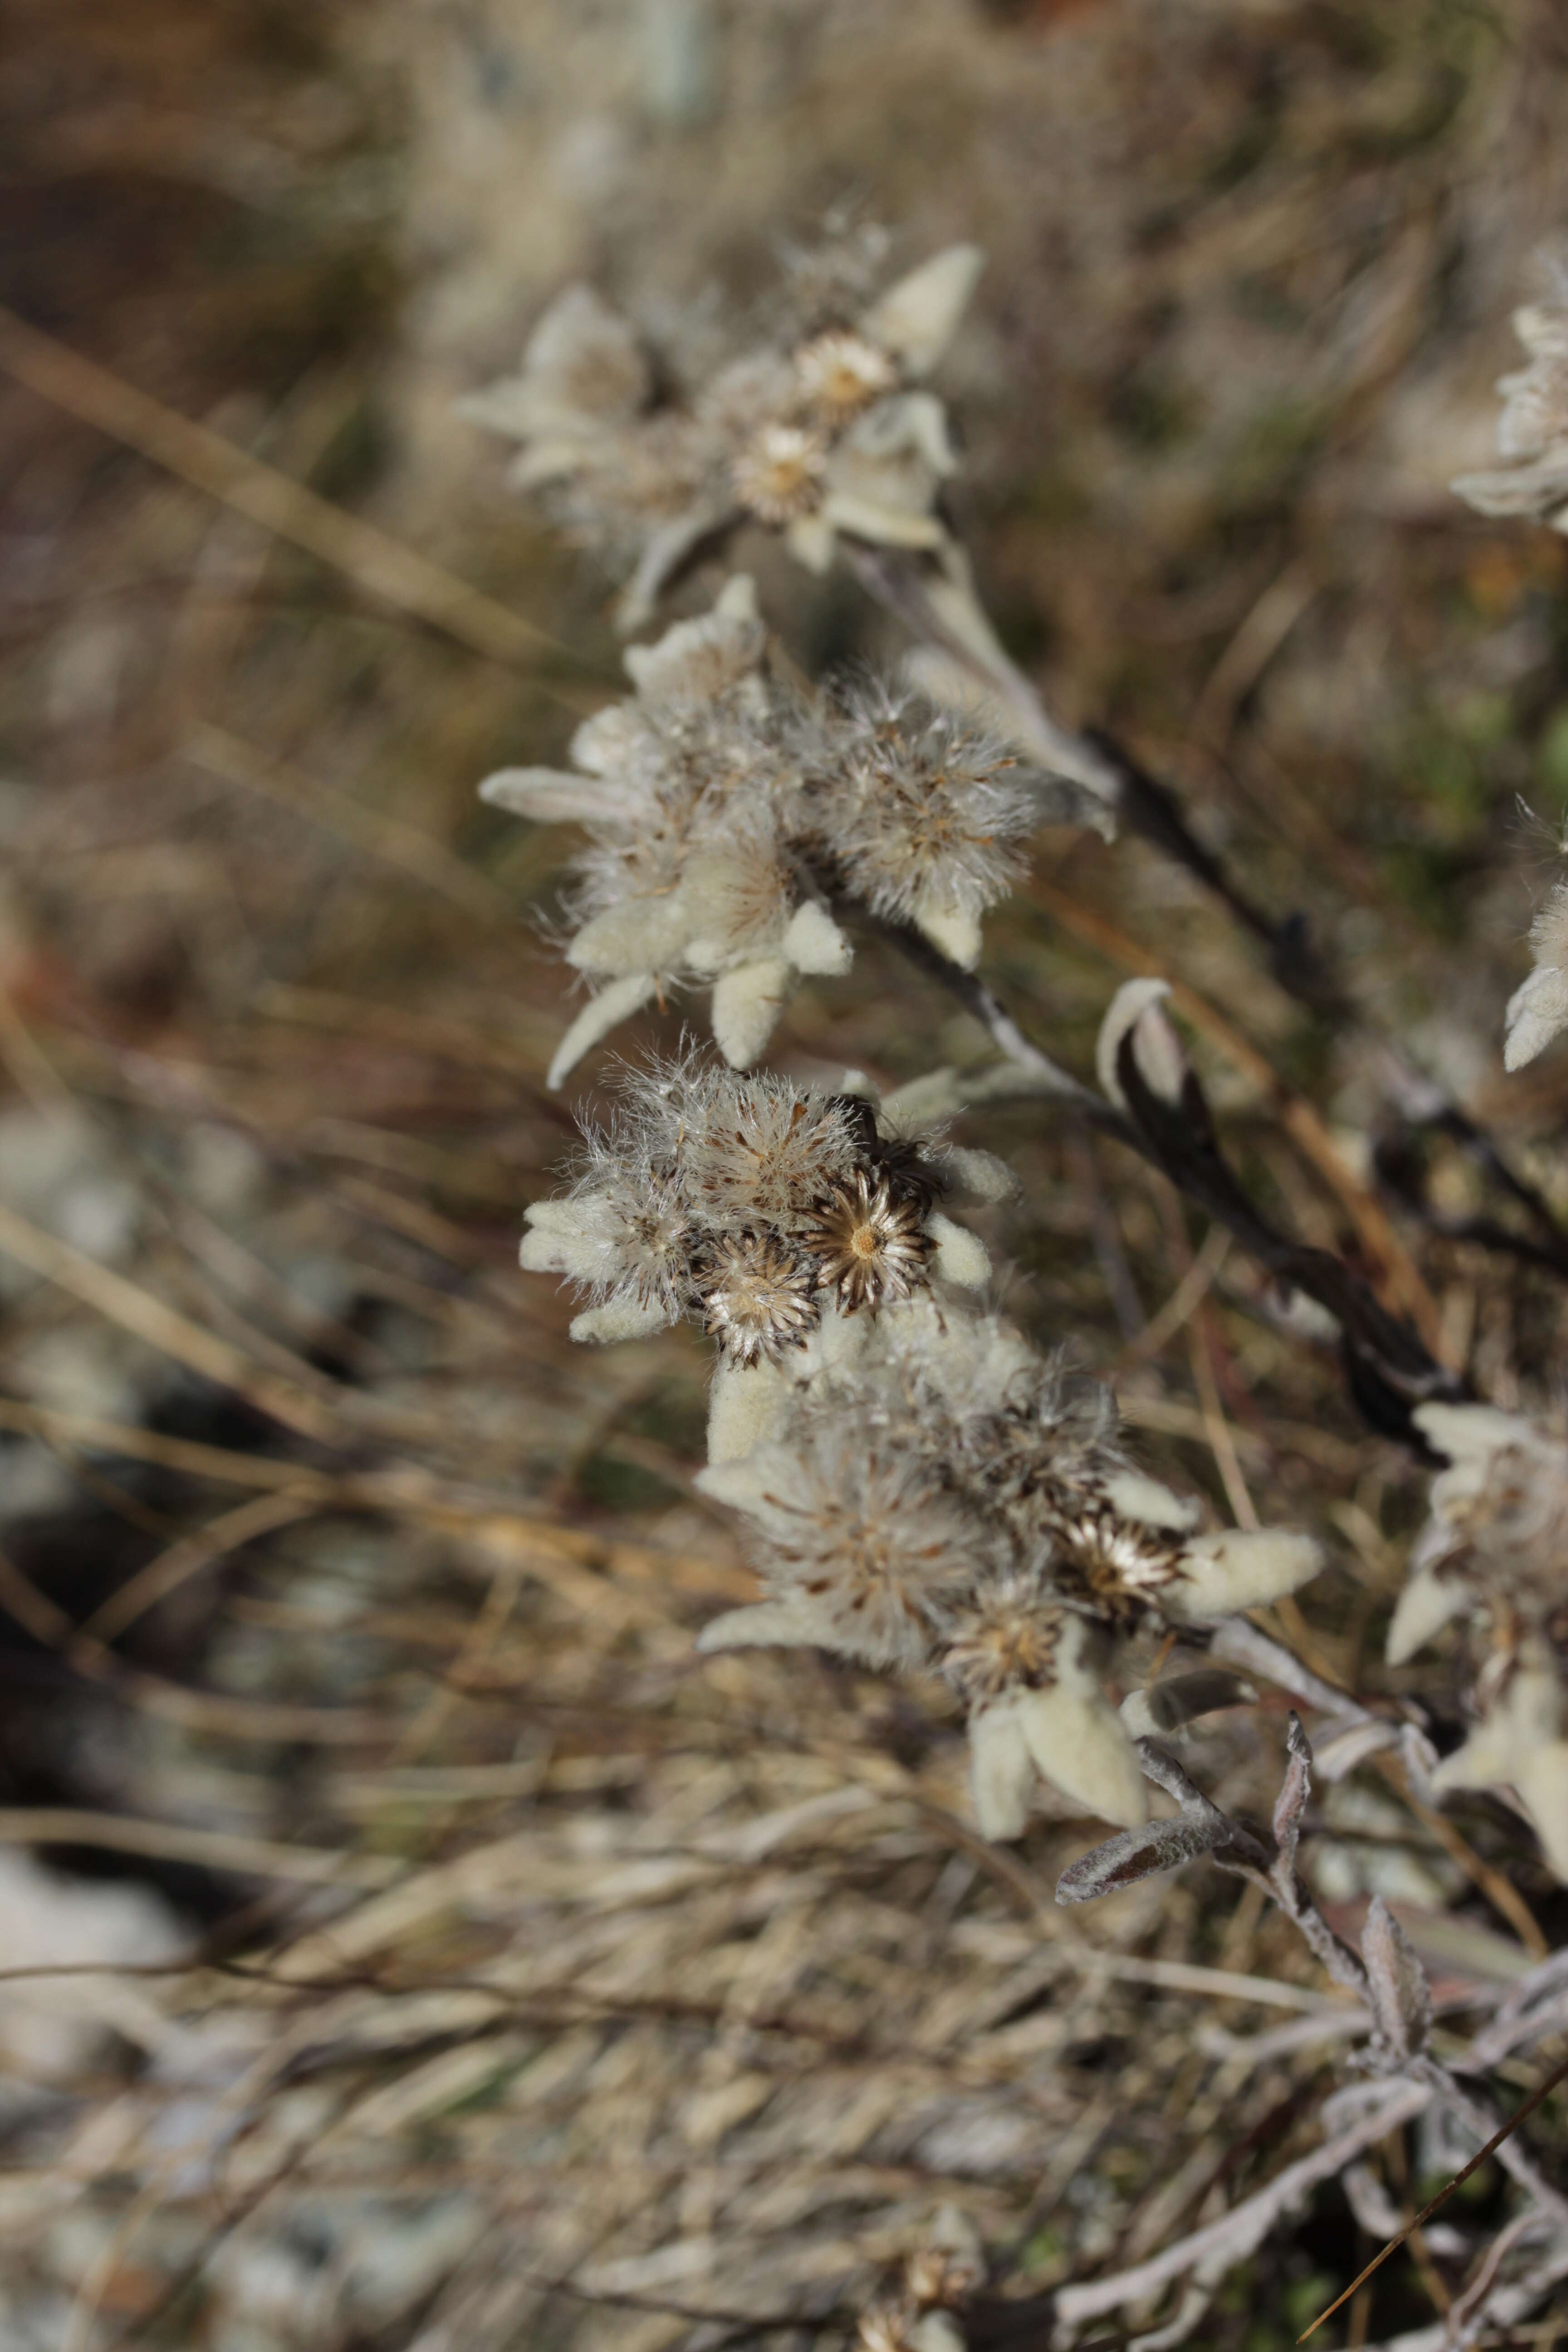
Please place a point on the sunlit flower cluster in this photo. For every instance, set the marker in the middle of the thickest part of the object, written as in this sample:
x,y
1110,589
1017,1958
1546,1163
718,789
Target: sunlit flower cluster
x,y
940,1497
825,429
1495,1552
720,805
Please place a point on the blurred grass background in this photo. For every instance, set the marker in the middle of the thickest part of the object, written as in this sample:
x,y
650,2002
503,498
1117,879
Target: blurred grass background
x,y
509,1978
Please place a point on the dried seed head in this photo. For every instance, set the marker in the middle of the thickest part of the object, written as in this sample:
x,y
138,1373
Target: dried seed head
x,y
870,1242
1114,1566
757,1299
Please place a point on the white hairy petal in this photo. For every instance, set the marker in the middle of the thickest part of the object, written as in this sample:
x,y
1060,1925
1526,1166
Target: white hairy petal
x,y
918,316
597,1018
549,796
1241,1568
556,1215
882,519
921,1102
1423,1609
1134,1010
746,1406
809,539
699,658
1542,329
1079,1745
1471,1432
1537,1012
582,357
764,1625
1542,1780
954,929
637,935
663,556
1001,1771
936,2331
750,1481
746,1006
961,1256
572,452
815,943
557,1250
1138,1496
609,741
621,1319
979,1175
1534,490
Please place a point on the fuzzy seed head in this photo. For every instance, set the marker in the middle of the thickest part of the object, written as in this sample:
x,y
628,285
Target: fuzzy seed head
x,y
757,1299
763,1153
867,1543
871,1244
920,807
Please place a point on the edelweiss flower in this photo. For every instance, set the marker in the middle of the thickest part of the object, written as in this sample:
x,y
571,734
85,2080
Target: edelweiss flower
x,y
828,436
870,1245
704,1198
1537,1009
1495,1548
689,877
1533,432
882,1448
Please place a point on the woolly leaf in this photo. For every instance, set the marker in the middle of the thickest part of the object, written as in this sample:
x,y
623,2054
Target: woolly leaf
x,y
1401,1996
1138,1853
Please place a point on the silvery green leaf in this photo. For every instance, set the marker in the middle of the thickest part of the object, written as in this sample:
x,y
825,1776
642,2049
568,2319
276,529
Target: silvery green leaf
x,y
1401,1996
1292,1802
1138,1853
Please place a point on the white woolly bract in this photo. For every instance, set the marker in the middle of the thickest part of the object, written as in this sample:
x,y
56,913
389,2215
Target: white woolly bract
x,y
1065,1730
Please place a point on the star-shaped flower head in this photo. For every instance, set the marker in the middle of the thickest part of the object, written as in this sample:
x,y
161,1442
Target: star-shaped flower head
x,y
1532,431
703,1199
936,1497
1494,1550
870,1244
825,429
691,876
